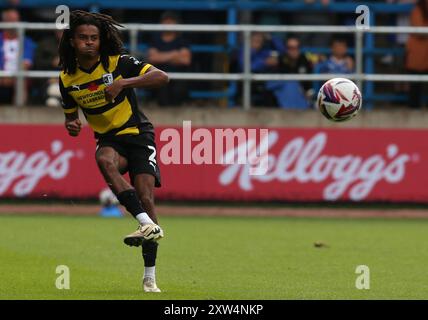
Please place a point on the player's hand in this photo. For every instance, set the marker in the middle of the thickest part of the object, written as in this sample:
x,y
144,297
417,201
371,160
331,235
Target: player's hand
x,y
112,91
73,127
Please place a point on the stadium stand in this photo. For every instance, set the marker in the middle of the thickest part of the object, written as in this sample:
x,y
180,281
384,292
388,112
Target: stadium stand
x,y
231,12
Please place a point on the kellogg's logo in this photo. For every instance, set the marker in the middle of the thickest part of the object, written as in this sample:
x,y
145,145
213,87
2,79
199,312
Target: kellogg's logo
x,y
305,162
26,170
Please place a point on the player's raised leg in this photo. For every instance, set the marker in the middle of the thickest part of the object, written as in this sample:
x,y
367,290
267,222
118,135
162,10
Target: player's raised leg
x,y
148,229
112,165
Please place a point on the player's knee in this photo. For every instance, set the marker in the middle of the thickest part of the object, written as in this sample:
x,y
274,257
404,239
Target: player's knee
x,y
105,163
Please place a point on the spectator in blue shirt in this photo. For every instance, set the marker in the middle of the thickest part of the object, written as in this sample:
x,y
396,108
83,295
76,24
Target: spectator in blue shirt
x,y
9,48
339,61
264,59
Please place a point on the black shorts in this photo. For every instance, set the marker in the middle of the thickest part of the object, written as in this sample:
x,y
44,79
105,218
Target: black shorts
x,y
139,150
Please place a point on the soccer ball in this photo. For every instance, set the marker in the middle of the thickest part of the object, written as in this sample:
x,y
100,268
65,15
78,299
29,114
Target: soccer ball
x,y
339,99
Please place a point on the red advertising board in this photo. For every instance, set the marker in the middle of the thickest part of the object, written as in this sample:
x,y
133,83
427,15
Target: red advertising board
x,y
304,165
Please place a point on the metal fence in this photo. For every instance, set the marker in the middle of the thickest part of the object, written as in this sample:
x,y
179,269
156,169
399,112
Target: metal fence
x,y
246,76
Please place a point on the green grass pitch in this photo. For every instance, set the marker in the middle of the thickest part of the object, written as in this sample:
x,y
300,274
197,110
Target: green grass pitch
x,y
215,258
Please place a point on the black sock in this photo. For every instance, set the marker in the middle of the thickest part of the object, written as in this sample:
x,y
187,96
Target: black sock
x,y
129,200
150,249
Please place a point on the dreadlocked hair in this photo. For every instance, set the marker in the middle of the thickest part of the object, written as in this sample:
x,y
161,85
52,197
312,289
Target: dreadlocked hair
x,y
110,41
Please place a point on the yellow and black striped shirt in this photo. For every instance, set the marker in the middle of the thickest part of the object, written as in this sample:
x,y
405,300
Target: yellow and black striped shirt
x,y
85,89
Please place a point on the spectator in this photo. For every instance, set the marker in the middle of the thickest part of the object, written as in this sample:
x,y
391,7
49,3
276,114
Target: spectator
x,y
417,52
339,61
293,94
170,52
9,49
264,59
47,59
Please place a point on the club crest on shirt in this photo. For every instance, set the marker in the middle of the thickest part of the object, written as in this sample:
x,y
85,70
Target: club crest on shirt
x,y
108,79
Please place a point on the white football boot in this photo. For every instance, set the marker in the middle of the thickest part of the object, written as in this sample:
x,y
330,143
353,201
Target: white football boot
x,y
149,285
149,231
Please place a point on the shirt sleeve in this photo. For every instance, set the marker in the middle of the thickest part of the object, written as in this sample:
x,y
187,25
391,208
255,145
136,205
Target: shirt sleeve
x,y
68,103
131,67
